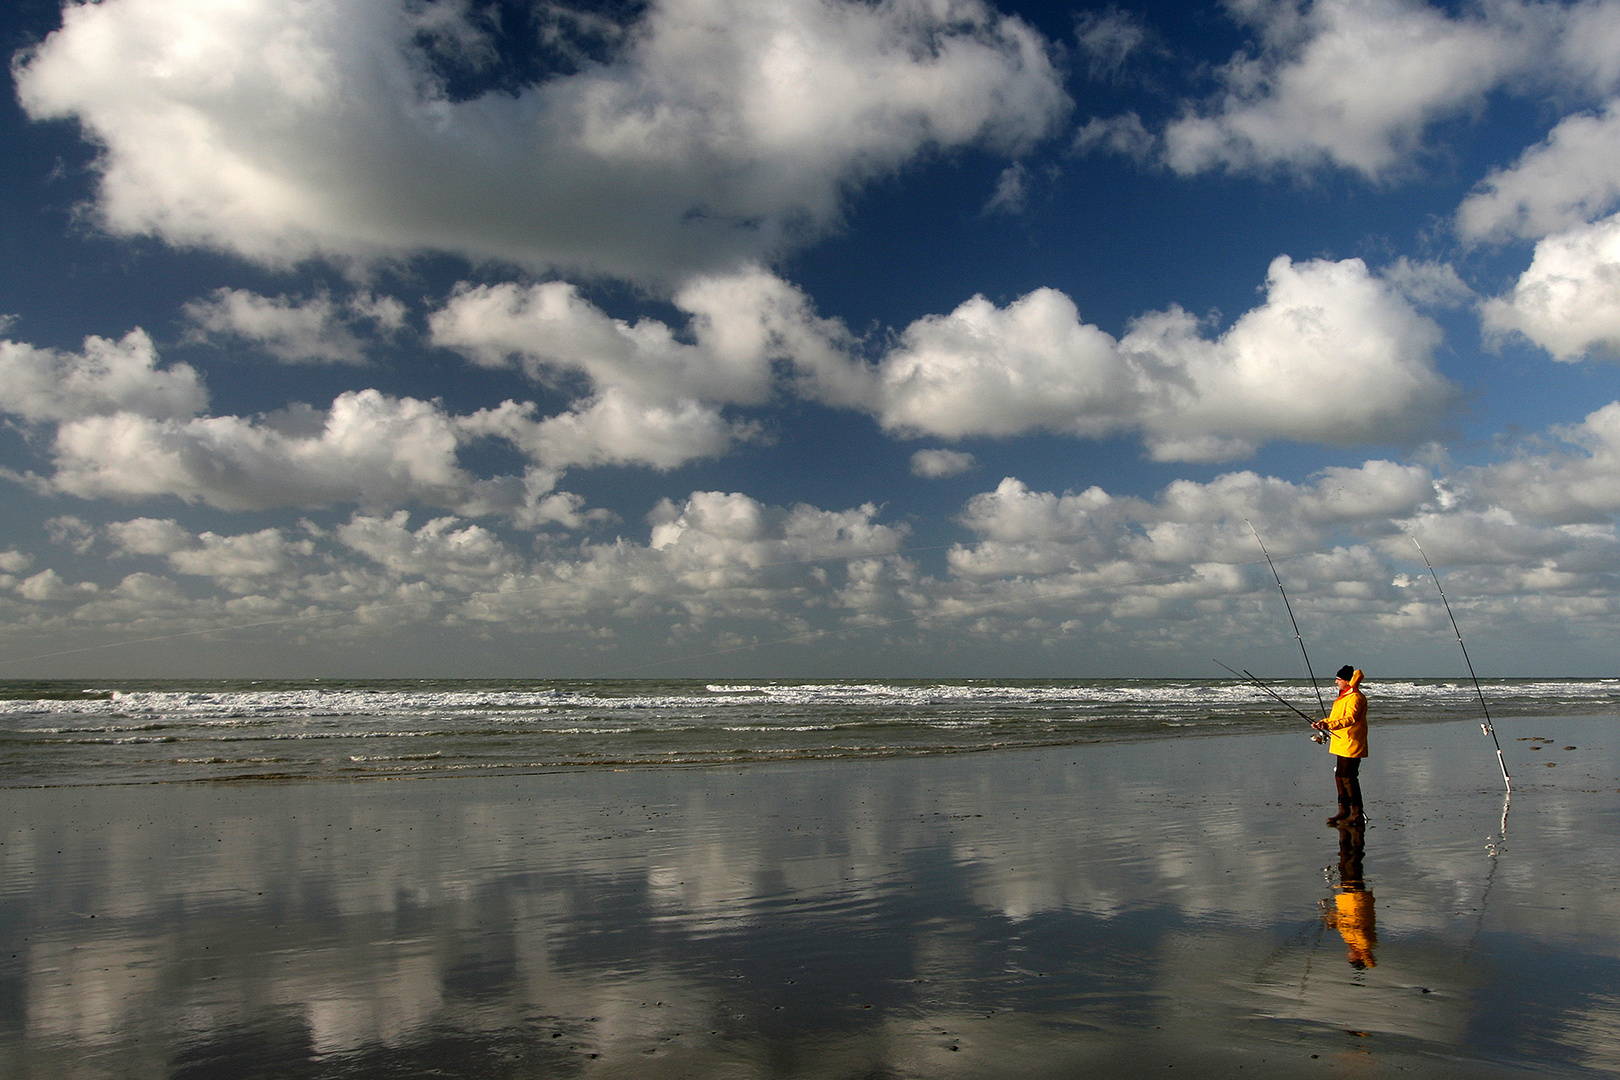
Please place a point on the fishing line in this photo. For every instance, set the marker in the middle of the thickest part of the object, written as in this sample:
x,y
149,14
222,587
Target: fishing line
x,y
1486,726
1316,737
1297,636
1245,675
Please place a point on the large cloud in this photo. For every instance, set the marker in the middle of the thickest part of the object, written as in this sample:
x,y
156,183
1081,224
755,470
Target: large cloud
x,y
1568,301
1566,180
656,392
739,326
721,129
368,448
1576,483
107,377
1333,355
1359,84
1350,83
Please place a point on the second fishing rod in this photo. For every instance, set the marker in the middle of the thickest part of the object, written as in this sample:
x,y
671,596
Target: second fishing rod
x,y
1320,704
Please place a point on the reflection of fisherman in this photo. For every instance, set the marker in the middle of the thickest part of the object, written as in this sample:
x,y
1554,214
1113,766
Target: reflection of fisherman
x,y
1348,725
1350,909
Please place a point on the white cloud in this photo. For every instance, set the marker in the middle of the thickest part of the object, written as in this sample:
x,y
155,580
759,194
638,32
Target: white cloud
x,y
739,325
1360,84
721,570
1578,484
240,562
613,427
1350,83
71,532
936,464
370,449
149,536
721,129
1333,355
1191,522
44,587
443,548
1564,181
656,397
107,377
293,331
1568,301
984,370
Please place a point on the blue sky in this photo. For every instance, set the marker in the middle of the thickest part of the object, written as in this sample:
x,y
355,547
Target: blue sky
x,y
807,337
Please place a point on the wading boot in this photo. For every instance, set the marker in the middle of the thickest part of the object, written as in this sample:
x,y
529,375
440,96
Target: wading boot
x,y
1353,792
1344,802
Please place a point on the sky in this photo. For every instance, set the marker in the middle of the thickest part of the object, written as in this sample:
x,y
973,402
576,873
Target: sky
x,y
808,338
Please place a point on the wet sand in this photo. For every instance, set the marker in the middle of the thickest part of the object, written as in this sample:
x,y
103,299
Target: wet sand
x,y
1122,910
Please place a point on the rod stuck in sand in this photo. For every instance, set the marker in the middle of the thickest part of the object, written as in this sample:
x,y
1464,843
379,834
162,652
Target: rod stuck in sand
x,y
1486,724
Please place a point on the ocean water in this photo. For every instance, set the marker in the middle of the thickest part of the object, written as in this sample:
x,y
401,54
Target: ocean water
x,y
144,732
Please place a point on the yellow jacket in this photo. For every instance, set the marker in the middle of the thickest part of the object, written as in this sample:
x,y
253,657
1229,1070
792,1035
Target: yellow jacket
x,y
1348,721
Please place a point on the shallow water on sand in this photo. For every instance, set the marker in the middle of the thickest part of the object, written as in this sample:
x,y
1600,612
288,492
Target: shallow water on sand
x,y
1114,910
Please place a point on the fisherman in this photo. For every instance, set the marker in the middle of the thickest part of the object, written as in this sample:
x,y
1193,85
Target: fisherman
x,y
1347,723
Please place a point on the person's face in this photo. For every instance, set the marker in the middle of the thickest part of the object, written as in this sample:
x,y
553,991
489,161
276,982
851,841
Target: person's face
x,y
1341,683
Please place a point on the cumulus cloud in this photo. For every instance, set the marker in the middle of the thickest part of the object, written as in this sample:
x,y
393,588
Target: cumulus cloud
x,y
739,325
1360,84
1566,180
106,377
657,392
1333,355
240,562
1167,571
716,130
1190,522
442,548
984,370
1576,483
293,331
1568,301
370,449
1349,83
614,427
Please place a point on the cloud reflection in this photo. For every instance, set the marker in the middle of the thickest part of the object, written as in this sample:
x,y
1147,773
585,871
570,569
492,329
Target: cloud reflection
x,y
1125,907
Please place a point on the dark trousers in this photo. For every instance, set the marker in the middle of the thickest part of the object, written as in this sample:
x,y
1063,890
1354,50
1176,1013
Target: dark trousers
x,y
1346,778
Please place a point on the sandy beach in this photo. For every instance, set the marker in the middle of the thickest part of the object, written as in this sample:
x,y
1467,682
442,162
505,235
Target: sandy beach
x,y
1113,909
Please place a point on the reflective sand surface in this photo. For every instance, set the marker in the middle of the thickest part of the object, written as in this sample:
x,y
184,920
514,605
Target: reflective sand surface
x,y
1112,910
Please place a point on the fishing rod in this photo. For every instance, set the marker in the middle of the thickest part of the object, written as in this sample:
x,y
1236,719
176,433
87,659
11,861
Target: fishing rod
x,y
1297,636
1317,737
1487,727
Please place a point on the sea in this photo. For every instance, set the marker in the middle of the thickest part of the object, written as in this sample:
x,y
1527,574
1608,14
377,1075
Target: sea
x,y
63,733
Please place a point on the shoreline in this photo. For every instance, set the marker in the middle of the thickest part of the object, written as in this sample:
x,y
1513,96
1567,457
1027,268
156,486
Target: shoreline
x,y
842,754
1121,905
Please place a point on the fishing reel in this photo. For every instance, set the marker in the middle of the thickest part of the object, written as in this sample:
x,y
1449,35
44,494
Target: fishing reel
x,y
1318,738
